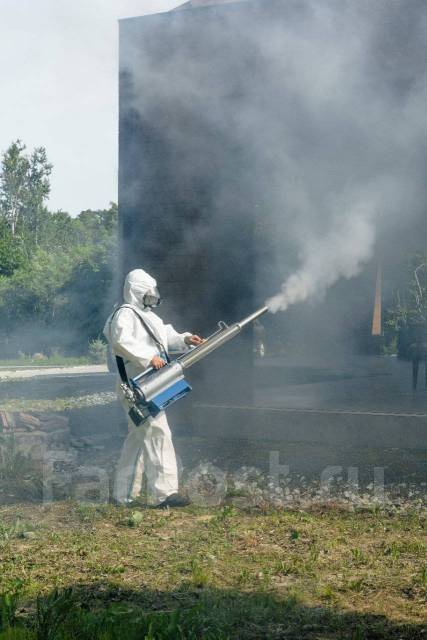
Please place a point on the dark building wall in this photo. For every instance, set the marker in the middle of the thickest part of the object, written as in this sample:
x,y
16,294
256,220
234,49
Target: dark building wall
x,y
215,134
186,197
200,177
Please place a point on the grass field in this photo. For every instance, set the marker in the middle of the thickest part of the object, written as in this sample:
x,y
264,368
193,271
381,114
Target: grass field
x,y
71,570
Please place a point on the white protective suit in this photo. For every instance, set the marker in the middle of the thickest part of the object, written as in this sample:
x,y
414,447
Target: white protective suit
x,y
147,448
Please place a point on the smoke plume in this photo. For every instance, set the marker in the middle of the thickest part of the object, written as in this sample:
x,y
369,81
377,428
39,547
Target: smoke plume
x,y
321,107
339,253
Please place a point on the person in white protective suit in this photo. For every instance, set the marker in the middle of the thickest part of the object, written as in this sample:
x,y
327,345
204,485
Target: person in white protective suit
x,y
142,339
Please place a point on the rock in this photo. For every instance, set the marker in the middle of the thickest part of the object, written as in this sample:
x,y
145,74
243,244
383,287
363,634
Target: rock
x,y
50,415
30,535
27,420
53,425
242,502
31,444
135,519
29,428
7,421
206,485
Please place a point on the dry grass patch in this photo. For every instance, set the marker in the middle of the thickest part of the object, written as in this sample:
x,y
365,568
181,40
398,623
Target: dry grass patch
x,y
362,565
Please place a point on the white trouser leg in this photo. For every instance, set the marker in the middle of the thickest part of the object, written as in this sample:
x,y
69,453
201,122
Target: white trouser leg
x,y
148,448
130,467
160,460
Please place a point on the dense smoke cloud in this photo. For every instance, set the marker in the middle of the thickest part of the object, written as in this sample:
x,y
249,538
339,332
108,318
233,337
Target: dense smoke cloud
x,y
354,74
332,122
339,253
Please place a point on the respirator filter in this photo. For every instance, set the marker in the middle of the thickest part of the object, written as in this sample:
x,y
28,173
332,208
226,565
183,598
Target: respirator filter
x,y
152,298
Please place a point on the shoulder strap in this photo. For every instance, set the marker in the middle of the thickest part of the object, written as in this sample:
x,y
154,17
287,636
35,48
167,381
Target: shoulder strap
x,y
148,329
150,332
122,370
155,338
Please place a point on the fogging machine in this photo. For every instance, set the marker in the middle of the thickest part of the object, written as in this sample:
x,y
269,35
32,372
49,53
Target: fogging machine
x,y
154,390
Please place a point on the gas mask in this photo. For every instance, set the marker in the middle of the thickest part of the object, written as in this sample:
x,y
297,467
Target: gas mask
x,y
152,298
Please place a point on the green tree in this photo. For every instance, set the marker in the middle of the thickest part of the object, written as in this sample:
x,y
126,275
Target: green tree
x,y
24,187
62,292
38,190
96,226
15,168
12,254
55,270
60,231
410,300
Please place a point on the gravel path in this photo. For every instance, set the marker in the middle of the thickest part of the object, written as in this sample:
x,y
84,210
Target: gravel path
x,y
51,371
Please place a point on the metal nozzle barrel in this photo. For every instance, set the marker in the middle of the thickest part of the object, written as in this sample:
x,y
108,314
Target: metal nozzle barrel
x,y
252,317
217,340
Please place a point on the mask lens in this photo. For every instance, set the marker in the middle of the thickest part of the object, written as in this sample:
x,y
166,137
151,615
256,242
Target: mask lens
x,y
152,298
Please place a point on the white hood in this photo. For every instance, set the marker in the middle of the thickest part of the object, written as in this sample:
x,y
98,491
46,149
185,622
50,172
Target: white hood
x,y
138,342
137,283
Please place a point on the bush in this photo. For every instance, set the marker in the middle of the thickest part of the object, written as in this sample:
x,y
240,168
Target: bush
x,y
98,351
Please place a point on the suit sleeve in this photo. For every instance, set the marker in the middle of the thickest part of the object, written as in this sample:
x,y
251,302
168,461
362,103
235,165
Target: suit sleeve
x,y
176,340
129,339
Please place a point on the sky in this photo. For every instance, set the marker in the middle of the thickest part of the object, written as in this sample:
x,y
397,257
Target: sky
x,y
59,89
